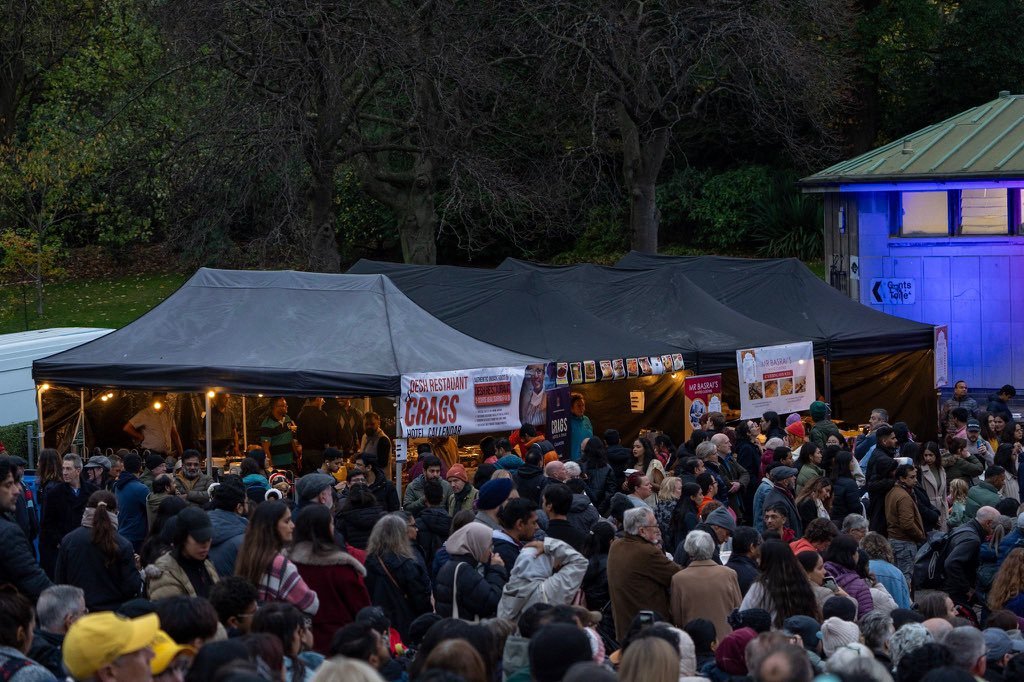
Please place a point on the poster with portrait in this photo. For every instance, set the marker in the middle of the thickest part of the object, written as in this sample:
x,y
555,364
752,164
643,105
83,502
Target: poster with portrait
x,y
701,394
776,378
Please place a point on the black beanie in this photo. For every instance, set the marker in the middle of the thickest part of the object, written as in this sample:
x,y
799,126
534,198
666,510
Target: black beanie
x,y
153,461
841,607
555,648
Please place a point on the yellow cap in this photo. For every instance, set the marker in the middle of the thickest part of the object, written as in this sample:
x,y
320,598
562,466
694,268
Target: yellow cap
x,y
166,650
98,639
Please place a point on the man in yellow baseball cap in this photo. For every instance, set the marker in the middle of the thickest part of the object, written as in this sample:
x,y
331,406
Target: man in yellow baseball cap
x,y
108,648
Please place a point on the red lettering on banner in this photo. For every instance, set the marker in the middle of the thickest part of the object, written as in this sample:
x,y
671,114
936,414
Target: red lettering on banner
x,y
778,375
432,411
492,393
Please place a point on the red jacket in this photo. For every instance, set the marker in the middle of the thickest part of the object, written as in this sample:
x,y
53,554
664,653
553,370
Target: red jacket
x,y
337,579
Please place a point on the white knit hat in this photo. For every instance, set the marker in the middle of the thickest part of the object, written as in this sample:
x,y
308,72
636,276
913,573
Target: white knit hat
x,y
836,633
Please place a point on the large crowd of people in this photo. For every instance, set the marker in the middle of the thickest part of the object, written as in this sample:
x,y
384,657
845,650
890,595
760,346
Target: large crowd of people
x,y
770,550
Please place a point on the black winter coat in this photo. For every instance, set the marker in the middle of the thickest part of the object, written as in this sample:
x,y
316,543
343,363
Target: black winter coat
x,y
845,499
530,482
46,651
62,513
18,562
355,525
478,595
82,564
619,457
433,524
404,594
595,583
507,550
601,485
961,562
879,483
384,490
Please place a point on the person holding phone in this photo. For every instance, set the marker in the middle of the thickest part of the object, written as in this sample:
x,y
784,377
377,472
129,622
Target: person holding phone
x,y
823,585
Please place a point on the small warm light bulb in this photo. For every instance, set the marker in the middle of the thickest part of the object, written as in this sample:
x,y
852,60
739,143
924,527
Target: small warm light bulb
x,y
44,387
210,394
799,362
157,405
110,395
104,398
674,375
259,395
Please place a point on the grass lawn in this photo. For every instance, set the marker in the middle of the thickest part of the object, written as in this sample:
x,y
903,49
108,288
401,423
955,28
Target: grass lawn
x,y
111,303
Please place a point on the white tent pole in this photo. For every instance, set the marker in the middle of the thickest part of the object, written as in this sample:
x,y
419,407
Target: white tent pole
x,y
398,434
245,428
39,406
209,436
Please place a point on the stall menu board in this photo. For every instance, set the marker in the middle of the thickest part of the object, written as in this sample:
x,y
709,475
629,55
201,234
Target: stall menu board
x,y
702,394
487,400
776,378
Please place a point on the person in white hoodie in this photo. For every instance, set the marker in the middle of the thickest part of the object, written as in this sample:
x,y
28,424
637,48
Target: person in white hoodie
x,y
550,572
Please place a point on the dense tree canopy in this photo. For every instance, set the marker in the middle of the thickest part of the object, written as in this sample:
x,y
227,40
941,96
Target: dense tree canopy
x,y
308,133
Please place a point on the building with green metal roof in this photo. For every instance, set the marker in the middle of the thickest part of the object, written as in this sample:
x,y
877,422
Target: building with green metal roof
x,y
929,228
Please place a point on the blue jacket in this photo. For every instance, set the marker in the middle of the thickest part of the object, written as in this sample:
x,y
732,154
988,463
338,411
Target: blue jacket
x,y
759,495
894,581
131,496
1010,542
228,531
579,429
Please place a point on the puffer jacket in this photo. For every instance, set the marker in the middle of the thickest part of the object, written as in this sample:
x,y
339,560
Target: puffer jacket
x,y
434,525
532,579
582,513
228,533
601,484
478,595
171,579
355,525
854,585
18,564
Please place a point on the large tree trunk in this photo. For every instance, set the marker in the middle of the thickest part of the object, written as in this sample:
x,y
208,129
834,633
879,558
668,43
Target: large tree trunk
x,y
643,153
321,244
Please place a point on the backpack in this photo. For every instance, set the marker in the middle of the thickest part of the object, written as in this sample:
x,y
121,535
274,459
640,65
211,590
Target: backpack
x,y
930,559
12,666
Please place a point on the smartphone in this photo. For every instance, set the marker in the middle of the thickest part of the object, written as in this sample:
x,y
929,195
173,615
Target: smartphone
x,y
646,618
830,583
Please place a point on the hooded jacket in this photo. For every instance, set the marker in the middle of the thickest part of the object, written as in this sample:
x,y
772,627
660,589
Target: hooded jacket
x,y
434,525
534,579
172,579
228,533
478,595
530,481
131,508
83,564
582,513
356,524
339,582
384,490
822,430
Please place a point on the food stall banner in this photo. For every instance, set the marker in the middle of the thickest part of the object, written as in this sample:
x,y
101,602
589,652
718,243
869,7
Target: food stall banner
x,y
487,400
702,394
941,356
777,378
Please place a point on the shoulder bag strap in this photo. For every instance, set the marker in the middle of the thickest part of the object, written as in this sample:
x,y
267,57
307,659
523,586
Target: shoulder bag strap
x,y
455,592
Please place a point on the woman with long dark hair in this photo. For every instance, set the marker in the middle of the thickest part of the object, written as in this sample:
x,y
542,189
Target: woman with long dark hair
x,y
841,559
815,500
98,560
396,579
262,562
771,425
49,477
685,516
808,464
287,623
646,461
845,491
782,589
597,473
335,575
1006,457
931,477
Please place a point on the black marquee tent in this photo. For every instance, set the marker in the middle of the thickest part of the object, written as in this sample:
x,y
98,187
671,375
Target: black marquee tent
x,y
661,304
519,311
291,333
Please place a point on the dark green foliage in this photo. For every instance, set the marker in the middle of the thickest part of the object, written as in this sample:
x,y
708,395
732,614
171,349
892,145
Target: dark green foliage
x,y
788,223
14,439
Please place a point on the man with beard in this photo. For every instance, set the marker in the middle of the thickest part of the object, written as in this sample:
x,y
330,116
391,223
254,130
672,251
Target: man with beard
x,y
375,442
415,501
879,477
784,480
191,482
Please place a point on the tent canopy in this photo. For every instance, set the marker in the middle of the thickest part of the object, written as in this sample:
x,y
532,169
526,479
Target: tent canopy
x,y
785,292
663,304
293,333
520,311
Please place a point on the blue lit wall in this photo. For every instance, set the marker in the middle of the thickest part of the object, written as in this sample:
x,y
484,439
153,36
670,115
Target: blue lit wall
x,y
973,284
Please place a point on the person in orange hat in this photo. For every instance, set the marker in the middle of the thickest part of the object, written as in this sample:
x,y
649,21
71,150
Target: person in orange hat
x,y
796,435
463,493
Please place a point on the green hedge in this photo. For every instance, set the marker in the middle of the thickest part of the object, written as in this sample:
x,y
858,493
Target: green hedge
x,y
13,437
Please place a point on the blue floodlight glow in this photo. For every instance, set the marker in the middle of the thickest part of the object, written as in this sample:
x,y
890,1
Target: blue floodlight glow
x,y
930,186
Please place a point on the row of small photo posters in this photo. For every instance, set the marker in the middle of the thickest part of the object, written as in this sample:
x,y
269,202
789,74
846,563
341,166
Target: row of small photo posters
x,y
591,371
